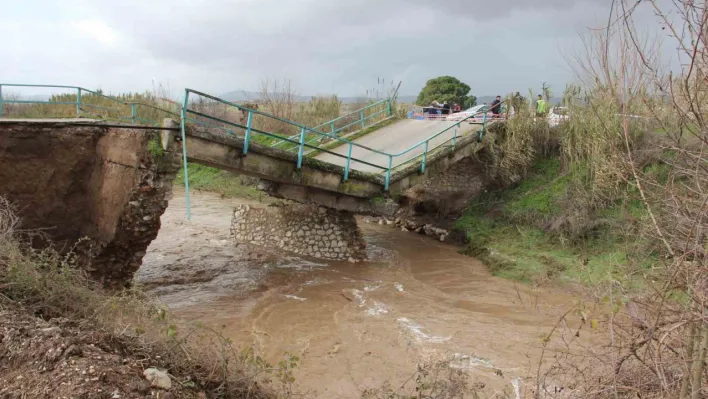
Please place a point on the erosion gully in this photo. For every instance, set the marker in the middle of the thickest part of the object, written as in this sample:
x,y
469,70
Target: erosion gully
x,y
354,326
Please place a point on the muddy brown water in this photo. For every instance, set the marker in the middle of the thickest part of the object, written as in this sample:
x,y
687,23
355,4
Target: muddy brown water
x,y
354,326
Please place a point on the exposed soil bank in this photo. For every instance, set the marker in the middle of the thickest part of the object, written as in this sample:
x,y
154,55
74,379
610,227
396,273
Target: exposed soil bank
x,y
354,326
83,179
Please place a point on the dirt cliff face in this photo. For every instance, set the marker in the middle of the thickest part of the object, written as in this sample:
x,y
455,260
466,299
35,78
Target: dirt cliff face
x,y
44,171
87,187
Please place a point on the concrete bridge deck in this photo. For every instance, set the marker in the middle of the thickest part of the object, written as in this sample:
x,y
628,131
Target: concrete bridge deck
x,y
393,139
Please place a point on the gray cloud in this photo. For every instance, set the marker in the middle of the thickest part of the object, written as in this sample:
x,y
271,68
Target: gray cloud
x,y
324,46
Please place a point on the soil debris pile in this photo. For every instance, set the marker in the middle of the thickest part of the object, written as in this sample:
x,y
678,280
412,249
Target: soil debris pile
x,y
62,358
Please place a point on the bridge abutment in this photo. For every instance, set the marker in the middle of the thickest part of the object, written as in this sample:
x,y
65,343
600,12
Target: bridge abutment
x,y
88,187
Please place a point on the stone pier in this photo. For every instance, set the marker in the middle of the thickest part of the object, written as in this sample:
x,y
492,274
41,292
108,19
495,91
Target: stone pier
x,y
302,229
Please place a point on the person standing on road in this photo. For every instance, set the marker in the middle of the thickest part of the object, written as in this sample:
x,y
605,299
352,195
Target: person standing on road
x,y
496,107
541,107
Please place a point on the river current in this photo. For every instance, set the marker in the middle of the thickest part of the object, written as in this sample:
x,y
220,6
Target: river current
x,y
354,326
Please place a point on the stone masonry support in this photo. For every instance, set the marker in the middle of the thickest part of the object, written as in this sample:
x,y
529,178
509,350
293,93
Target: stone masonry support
x,y
302,229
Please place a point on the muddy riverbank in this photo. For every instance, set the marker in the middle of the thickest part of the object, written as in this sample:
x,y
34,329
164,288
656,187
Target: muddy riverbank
x,y
354,326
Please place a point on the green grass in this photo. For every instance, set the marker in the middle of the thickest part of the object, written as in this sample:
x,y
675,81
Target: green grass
x,y
218,181
540,193
155,147
531,256
505,229
265,140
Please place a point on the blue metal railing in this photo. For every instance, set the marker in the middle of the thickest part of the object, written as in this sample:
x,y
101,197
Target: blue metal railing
x,y
250,130
84,106
333,128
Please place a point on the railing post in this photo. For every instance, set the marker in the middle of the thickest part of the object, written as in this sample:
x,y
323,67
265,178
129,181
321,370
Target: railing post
x,y
454,136
425,157
388,172
246,139
301,148
183,126
361,116
0,100
332,128
132,113
78,102
349,160
388,107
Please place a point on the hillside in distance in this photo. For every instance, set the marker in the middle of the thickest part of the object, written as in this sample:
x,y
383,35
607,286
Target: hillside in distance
x,y
243,96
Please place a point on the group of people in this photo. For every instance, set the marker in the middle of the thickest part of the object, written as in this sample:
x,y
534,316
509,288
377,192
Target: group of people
x,y
541,106
446,107
495,107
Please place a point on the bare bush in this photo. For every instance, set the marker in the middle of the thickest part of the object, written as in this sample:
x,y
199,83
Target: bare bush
x,y
430,381
280,100
658,338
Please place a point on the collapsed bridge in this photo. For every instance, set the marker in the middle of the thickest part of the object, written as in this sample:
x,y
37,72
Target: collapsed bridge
x,y
110,179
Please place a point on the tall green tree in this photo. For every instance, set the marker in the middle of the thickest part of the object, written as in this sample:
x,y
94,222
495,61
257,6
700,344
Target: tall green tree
x,y
446,89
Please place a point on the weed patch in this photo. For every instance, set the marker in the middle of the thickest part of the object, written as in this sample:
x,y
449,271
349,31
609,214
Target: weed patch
x,y
222,182
155,148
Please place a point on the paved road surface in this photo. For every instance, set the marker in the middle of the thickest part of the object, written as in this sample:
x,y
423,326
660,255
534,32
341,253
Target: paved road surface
x,y
393,139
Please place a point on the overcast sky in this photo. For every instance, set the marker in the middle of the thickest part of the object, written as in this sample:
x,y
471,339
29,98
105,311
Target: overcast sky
x,y
322,46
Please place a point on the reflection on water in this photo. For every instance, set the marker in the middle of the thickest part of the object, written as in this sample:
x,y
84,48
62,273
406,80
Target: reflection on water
x,y
354,325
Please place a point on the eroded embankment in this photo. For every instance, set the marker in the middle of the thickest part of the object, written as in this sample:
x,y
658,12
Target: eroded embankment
x,y
89,184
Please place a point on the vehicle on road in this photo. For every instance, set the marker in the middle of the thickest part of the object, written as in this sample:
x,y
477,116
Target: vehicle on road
x,y
557,115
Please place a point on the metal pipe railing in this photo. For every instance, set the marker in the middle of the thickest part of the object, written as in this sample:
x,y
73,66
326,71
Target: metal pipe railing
x,y
258,131
361,120
83,106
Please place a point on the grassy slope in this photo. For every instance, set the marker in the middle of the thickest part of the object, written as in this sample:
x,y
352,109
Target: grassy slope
x,y
508,231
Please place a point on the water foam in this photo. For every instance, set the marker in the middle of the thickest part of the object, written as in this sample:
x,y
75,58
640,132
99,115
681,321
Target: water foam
x,y
377,310
417,331
466,362
516,383
369,288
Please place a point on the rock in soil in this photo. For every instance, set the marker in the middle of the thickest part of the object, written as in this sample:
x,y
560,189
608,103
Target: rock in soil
x,y
158,378
63,359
